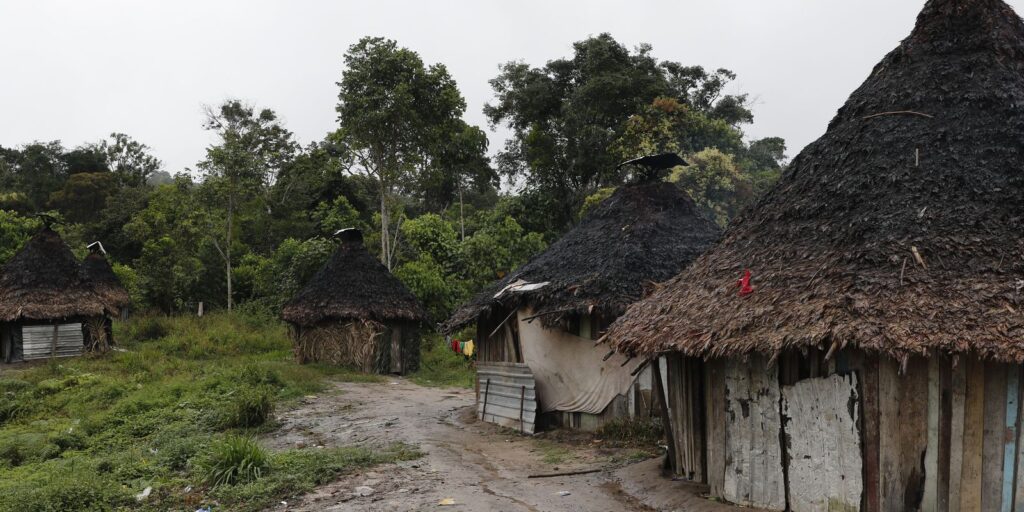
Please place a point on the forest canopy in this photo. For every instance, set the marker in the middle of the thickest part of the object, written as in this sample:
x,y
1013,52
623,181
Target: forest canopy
x,y
253,220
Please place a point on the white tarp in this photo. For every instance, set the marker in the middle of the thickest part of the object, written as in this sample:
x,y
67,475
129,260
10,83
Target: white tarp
x,y
568,369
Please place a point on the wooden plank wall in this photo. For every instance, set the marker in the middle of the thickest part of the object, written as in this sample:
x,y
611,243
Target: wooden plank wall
x,y
685,381
948,435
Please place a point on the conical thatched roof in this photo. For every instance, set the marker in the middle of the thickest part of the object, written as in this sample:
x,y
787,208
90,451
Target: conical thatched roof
x,y
353,285
925,158
642,234
97,271
43,282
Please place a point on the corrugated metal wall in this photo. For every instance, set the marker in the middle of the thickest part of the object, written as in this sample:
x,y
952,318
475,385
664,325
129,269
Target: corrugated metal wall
x,y
508,395
38,341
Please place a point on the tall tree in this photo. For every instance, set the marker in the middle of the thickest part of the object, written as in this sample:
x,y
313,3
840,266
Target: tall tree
x,y
253,147
565,116
130,160
393,112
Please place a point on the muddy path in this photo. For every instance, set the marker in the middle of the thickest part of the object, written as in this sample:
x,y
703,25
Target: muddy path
x,y
478,466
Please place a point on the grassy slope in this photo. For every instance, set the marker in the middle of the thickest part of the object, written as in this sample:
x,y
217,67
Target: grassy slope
x,y
89,433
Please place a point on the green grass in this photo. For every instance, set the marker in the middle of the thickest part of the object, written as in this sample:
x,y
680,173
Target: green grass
x,y
553,453
440,367
89,433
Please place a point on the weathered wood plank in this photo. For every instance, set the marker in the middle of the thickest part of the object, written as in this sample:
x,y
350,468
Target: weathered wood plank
x,y
931,454
753,474
1010,435
671,432
1019,490
993,438
716,427
958,390
868,368
824,459
903,436
945,427
973,443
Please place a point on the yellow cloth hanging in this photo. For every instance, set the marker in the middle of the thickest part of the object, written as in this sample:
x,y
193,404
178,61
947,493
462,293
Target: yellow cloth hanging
x,y
468,351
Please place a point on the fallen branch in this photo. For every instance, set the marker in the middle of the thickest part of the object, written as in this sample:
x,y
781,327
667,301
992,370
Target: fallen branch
x,y
899,112
566,473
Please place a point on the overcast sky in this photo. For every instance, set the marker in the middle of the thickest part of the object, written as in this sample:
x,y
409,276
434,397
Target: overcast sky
x,y
78,70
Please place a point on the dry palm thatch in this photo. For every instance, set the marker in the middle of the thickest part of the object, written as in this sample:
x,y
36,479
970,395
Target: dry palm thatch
x,y
43,282
641,234
355,344
900,231
96,270
353,285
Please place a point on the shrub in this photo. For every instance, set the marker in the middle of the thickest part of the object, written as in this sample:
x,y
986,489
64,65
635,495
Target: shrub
x,y
250,407
235,459
632,431
148,328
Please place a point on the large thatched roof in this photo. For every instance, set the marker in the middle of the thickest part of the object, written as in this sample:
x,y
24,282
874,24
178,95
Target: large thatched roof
x,y
926,158
43,282
96,270
640,235
353,285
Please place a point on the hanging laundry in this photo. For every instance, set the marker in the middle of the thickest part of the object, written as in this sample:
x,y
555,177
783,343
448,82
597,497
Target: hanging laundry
x,y
455,346
469,348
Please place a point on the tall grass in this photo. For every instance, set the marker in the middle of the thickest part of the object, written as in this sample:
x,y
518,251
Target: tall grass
x,y
441,367
89,433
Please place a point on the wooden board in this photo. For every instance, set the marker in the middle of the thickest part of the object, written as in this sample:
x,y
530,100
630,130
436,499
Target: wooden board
x,y
868,368
716,425
974,419
903,433
753,471
958,399
1010,436
824,456
931,454
993,435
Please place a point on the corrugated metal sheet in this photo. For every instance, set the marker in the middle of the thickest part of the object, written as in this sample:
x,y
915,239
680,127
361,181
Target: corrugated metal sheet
x,y
508,395
37,341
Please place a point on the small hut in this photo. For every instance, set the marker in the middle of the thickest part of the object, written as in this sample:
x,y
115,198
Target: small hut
x,y
536,327
354,312
98,272
871,358
46,306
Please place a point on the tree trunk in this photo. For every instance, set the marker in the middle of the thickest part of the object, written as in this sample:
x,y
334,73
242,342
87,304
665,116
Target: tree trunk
x,y
227,249
385,221
462,218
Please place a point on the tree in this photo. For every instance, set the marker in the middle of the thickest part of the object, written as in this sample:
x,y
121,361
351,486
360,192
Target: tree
x,y
566,115
714,182
253,148
83,196
130,160
393,111
36,170
15,230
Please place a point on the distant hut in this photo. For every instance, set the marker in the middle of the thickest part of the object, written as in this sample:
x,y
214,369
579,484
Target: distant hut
x,y
873,360
97,271
46,306
355,312
536,327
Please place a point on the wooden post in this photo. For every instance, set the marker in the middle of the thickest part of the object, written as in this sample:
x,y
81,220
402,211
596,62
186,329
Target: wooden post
x,y
1010,439
869,392
487,389
522,398
53,348
665,422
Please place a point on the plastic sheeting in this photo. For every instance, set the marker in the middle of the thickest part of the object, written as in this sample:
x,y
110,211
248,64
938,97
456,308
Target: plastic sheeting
x,y
568,370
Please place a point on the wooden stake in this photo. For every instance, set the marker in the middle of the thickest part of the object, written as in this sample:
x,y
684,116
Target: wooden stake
x,y
917,256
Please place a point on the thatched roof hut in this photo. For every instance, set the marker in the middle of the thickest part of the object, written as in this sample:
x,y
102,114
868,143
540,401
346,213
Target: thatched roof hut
x,y
42,282
353,285
899,231
642,234
97,271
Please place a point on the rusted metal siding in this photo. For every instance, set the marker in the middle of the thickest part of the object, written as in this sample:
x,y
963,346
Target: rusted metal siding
x,y
507,395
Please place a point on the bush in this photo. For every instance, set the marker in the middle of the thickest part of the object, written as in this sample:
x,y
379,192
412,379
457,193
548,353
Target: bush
x,y
632,431
249,407
148,328
235,459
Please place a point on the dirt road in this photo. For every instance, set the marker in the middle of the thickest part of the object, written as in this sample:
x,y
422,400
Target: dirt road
x,y
475,464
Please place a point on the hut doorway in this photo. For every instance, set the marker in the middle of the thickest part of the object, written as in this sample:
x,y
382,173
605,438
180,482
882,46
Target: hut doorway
x,y
681,381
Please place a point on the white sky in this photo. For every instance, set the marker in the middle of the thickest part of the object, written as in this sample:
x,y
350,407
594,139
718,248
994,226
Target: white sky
x,y
78,70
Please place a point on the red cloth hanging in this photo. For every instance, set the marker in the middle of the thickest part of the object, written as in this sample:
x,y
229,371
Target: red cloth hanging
x,y
744,284
455,346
